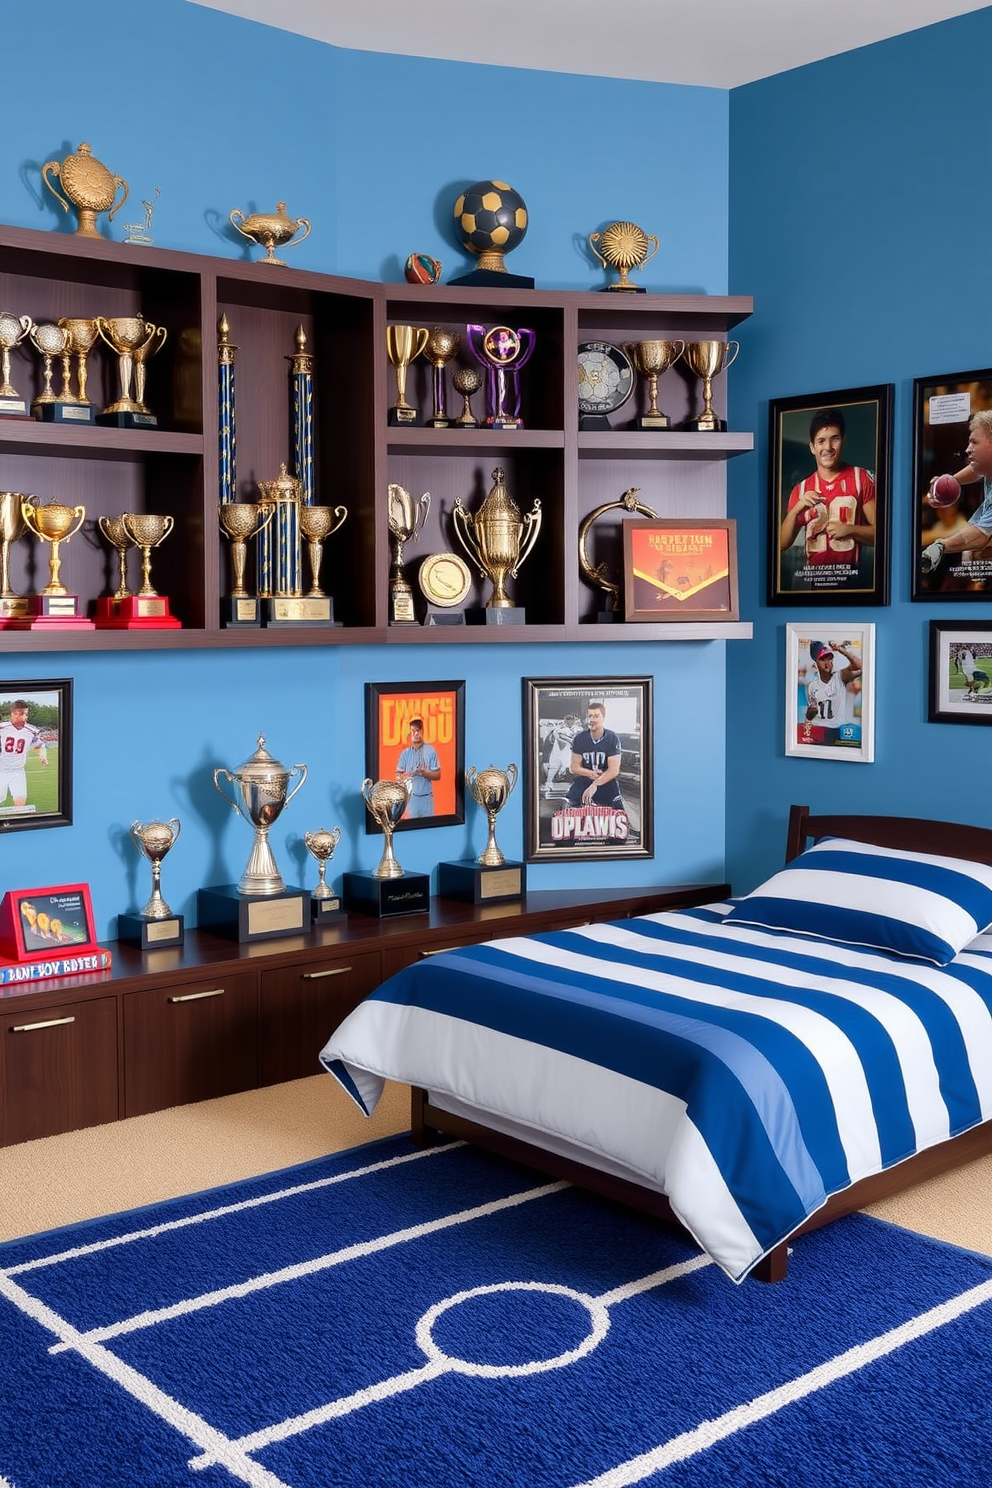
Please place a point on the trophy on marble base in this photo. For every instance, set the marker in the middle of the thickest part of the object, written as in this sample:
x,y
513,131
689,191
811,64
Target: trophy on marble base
x,y
406,518
497,540
12,525
324,903
13,330
54,608
491,877
707,359
404,343
156,926
387,890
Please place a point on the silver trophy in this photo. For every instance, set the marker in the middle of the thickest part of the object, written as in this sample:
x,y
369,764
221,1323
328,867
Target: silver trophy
x,y
321,845
491,789
153,840
386,801
262,791
406,517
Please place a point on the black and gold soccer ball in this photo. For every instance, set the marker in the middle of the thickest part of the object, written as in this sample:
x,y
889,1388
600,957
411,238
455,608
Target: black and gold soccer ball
x,y
492,220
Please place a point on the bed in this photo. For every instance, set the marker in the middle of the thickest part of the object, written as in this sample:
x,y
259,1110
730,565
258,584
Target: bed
x,y
749,1069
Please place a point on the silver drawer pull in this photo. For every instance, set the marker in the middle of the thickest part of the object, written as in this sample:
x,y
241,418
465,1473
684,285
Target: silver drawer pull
x,y
439,952
313,976
51,1023
197,996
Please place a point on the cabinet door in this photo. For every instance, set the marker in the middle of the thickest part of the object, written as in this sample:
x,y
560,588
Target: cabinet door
x,y
302,1006
189,1043
58,1069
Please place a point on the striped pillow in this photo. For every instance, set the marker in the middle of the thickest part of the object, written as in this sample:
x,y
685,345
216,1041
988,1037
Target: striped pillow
x,y
903,903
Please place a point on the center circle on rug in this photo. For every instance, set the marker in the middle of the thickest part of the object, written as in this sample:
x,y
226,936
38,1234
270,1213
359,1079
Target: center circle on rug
x,y
598,1323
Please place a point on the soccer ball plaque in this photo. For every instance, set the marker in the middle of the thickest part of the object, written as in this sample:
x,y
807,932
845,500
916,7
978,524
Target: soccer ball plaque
x,y
492,220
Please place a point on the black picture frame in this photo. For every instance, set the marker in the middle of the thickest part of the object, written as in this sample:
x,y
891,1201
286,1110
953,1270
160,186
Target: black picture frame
x,y
939,444
388,708
45,752
560,831
956,693
800,574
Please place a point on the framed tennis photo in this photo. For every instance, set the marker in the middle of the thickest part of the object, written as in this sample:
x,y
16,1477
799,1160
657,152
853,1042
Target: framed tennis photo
x,y
588,768
35,754
960,672
829,501
942,411
416,731
830,691
680,569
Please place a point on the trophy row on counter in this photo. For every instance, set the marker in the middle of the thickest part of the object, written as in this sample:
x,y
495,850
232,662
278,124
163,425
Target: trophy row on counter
x,y
261,905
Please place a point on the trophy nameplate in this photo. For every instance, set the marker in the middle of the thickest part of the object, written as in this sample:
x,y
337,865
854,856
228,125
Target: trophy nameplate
x,y
150,935
65,413
50,612
476,883
224,910
135,612
234,612
326,911
304,610
410,893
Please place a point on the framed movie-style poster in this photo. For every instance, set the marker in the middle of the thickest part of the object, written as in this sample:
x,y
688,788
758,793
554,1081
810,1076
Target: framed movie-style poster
x,y
680,569
942,411
416,731
35,754
830,691
960,672
829,498
588,772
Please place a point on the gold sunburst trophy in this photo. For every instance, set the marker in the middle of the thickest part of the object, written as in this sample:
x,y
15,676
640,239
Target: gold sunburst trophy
x,y
624,246
88,186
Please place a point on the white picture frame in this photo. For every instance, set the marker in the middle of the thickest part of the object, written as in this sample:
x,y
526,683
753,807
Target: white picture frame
x,y
828,716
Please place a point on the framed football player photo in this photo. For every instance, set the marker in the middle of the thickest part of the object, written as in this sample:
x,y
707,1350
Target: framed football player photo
x,y
945,564
829,499
588,771
35,754
960,672
830,691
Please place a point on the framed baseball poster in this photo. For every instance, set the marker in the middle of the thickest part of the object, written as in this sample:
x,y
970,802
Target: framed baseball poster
x,y
830,692
960,672
416,731
944,566
588,771
35,754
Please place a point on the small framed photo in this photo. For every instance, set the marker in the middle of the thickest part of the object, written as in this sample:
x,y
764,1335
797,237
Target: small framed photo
x,y
680,569
36,924
588,768
416,730
960,672
35,755
830,691
942,411
829,501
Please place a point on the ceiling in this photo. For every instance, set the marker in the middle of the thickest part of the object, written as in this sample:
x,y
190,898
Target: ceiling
x,y
707,43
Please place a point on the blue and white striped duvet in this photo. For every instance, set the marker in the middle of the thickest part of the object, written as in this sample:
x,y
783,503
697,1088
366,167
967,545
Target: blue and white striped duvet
x,y
747,1073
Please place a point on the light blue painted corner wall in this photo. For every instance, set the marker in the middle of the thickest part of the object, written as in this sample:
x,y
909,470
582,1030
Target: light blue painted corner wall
x,y
861,219
223,113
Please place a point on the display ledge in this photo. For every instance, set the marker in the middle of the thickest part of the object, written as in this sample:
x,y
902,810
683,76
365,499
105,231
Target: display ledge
x,y
472,441
684,444
94,440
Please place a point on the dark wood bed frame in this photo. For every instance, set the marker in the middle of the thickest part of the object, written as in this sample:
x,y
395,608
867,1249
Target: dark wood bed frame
x,y
910,833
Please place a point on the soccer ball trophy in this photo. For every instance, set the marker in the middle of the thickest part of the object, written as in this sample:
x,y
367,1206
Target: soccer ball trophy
x,y
492,220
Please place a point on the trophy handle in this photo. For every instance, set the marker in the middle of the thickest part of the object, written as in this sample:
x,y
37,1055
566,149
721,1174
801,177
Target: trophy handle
x,y
54,167
657,244
341,513
80,512
733,355
100,323
303,776
532,522
511,771
27,326
300,222
593,240
118,182
238,213
133,831
423,506
462,521
230,801
177,827
423,336
172,522
681,349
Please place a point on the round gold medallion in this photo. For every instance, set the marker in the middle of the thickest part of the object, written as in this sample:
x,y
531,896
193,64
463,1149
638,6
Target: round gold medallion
x,y
444,579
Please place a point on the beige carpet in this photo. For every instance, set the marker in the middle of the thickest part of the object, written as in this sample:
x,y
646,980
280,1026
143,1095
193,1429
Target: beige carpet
x,y
61,1180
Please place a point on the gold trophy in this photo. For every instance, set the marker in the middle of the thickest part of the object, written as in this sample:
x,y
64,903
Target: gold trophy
x,y
55,524
624,247
156,926
490,877
146,610
387,890
240,521
81,334
652,360
12,604
404,343
317,523
13,330
118,537
598,574
129,336
707,359
497,540
89,186
491,789
466,382
387,800
50,341
406,517
142,356
271,230
324,903
441,346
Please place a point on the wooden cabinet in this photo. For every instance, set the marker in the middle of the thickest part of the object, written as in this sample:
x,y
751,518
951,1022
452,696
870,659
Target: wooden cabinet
x,y
58,1067
174,469
302,1006
190,1042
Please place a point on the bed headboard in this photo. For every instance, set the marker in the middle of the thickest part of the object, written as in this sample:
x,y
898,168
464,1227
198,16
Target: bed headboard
x,y
948,839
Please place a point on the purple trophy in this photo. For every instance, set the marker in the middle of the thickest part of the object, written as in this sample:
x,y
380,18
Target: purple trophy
x,y
503,352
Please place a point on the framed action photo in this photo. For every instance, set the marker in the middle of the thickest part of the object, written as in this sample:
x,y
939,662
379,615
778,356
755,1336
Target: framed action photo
x,y
39,923
960,672
829,498
680,569
942,411
588,771
830,691
35,754
416,731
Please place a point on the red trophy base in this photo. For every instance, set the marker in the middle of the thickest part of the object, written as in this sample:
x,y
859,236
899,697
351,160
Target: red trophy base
x,y
136,612
50,612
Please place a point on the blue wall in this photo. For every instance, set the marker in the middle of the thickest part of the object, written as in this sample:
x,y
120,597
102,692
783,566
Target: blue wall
x,y
222,113
861,219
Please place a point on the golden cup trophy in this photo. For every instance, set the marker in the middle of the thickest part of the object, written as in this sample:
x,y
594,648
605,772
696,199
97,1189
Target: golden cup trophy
x,y
707,359
80,336
89,187
404,343
624,246
114,531
406,518
131,337
240,521
324,903
652,360
317,524
387,890
271,230
441,346
50,340
146,610
12,526
54,607
490,877
155,927
13,330
466,382
142,356
598,574
260,904
498,540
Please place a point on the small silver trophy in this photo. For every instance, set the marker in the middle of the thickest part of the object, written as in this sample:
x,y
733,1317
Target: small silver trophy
x,y
156,926
320,845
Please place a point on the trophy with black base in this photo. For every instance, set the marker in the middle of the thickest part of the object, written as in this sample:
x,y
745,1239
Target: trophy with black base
x,y
156,927
324,903
491,877
387,890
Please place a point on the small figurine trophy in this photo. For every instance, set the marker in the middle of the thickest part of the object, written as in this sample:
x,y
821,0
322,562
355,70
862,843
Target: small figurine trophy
x,y
324,903
406,517
156,926
466,382
387,890
490,877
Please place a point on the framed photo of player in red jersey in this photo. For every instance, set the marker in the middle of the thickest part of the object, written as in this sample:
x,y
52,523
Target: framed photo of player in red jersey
x,y
588,768
829,457
830,691
35,754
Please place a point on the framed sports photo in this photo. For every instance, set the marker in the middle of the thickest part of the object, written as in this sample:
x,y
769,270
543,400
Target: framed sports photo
x,y
416,730
960,672
680,569
35,754
942,410
829,499
37,924
830,691
588,768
